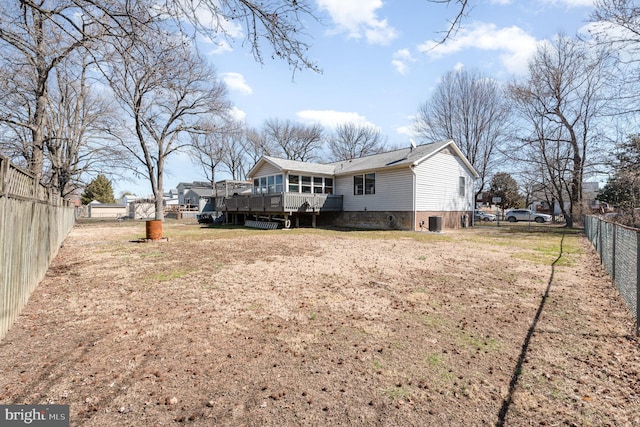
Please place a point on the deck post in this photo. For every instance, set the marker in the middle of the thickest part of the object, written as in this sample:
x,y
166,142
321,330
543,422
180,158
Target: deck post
x,y
313,220
297,221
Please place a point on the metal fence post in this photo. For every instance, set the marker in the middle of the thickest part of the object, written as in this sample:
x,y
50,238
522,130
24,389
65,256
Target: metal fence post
x,y
613,250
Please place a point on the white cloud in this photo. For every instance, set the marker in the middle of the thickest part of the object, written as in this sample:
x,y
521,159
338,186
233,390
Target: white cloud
x,y
459,66
406,131
237,114
515,45
237,83
214,22
214,47
332,118
358,18
401,60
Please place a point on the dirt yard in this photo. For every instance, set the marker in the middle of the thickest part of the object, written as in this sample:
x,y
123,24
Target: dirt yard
x,y
239,327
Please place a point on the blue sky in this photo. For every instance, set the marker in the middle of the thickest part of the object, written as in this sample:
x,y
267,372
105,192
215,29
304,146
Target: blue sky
x,y
378,63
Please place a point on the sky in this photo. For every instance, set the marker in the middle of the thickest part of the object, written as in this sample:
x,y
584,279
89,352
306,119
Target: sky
x,y
379,64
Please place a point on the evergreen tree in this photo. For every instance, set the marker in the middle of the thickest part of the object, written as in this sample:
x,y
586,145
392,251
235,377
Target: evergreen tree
x,y
623,188
99,189
504,186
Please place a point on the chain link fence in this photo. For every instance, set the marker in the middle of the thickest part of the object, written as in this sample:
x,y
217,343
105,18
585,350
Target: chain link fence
x,y
618,247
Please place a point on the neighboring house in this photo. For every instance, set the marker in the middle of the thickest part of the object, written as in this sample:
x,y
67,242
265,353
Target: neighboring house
x,y
399,189
96,209
183,187
197,198
589,193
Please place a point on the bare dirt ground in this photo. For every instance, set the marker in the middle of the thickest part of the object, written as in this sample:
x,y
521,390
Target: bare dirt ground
x,y
237,327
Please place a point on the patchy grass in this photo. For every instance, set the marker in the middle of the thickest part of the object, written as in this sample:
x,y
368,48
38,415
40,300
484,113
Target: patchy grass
x,y
325,327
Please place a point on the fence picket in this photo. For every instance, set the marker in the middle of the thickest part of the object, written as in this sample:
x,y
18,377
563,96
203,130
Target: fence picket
x,y
33,225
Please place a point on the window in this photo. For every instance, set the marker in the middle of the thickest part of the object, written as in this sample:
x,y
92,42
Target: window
x,y
271,186
306,184
370,183
462,187
268,184
358,185
328,186
364,184
317,184
294,183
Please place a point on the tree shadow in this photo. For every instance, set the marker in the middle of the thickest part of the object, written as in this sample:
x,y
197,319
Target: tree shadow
x,y
506,403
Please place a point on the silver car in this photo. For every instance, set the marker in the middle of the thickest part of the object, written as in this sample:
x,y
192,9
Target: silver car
x,y
515,215
483,216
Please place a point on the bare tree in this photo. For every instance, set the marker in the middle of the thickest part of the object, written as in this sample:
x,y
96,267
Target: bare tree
x,y
35,37
236,158
75,139
616,27
456,21
351,141
294,141
470,109
207,149
221,145
560,102
166,90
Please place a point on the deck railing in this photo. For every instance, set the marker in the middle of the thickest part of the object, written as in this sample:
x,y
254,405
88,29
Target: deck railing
x,y
284,203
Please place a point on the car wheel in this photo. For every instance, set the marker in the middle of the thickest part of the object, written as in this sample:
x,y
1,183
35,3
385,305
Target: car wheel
x,y
539,219
485,219
512,219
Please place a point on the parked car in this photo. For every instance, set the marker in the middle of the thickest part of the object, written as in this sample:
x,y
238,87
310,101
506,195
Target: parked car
x,y
515,215
483,216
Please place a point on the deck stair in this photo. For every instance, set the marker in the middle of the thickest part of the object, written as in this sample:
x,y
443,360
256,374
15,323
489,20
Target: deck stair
x,y
264,225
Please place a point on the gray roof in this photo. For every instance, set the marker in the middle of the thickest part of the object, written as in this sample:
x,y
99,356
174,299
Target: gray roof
x,y
404,157
201,192
297,166
397,158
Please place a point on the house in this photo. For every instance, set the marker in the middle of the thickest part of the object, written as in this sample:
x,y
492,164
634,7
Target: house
x,y
197,198
400,189
183,187
590,191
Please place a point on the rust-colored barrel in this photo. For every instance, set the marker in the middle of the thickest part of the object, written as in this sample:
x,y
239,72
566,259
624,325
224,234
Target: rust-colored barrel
x,y
154,229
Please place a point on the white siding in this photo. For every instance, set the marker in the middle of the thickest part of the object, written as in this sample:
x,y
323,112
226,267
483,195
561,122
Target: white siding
x,y
266,170
437,181
394,192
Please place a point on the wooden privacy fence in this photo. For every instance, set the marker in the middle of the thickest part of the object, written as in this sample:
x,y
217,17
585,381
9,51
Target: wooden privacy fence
x,y
33,224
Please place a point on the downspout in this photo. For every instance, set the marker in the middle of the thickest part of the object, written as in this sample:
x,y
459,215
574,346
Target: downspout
x,y
473,203
413,200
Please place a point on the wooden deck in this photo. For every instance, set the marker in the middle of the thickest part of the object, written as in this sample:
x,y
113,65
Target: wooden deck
x,y
284,203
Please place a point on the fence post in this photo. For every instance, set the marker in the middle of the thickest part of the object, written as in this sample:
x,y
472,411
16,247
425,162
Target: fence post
x,y
4,168
613,250
600,239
